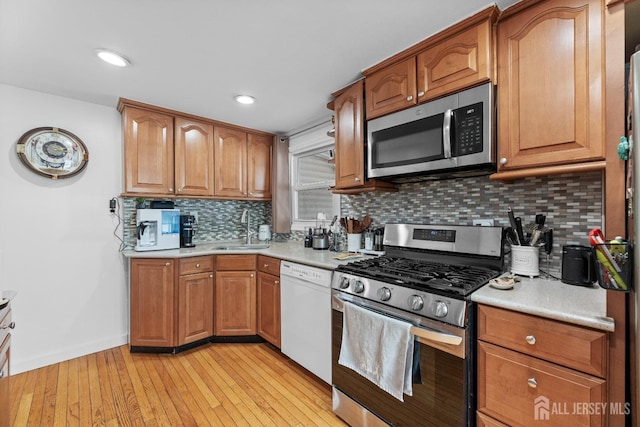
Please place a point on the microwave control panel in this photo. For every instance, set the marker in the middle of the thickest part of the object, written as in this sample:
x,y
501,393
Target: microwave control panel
x,y
468,130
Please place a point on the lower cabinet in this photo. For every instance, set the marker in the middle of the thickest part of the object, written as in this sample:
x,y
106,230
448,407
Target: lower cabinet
x,y
269,299
195,299
152,303
235,295
532,370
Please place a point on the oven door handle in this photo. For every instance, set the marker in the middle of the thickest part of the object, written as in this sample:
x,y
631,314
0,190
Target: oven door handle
x,y
435,336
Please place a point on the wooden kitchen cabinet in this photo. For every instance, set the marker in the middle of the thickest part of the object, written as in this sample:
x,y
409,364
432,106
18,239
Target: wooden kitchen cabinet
x,y
195,299
530,367
457,58
193,157
148,151
243,164
152,303
269,299
235,295
551,87
349,146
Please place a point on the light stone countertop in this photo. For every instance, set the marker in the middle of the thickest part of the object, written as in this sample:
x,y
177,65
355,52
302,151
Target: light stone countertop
x,y
291,251
550,298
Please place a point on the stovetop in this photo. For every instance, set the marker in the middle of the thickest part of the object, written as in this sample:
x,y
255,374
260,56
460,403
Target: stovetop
x,y
447,279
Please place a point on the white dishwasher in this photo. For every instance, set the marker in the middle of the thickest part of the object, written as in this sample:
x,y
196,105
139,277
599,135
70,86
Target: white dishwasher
x,y
305,297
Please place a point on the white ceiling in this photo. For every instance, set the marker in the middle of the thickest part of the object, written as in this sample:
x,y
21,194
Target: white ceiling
x,y
195,55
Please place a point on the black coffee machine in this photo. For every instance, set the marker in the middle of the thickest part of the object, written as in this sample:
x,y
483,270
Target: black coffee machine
x,y
187,231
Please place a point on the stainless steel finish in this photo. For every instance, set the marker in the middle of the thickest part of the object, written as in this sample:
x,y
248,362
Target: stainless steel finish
x,y
429,329
530,339
482,93
532,383
446,133
410,98
246,218
351,412
421,93
503,161
469,239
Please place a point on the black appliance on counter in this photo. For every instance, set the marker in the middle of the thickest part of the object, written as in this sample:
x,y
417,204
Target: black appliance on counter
x,y
425,279
187,231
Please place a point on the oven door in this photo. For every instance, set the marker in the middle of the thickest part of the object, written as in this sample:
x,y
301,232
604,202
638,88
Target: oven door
x,y
444,396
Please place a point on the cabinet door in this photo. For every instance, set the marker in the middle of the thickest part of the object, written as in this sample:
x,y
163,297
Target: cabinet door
x,y
148,151
153,299
193,157
259,152
391,89
550,79
458,62
269,308
195,307
230,159
5,389
349,137
235,303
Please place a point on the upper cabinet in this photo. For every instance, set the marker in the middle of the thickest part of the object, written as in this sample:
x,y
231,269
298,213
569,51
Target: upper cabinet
x,y
551,89
169,154
459,57
148,151
243,164
349,125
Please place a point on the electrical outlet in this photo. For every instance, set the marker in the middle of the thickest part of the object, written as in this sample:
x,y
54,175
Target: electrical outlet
x,y
483,222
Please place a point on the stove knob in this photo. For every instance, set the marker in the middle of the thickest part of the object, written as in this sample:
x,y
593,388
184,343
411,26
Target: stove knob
x,y
384,294
416,302
358,287
344,282
440,309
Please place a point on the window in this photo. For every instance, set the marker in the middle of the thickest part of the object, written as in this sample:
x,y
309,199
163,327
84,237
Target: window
x,y
312,174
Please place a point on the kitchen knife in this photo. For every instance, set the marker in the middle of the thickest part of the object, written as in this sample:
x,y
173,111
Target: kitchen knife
x,y
512,221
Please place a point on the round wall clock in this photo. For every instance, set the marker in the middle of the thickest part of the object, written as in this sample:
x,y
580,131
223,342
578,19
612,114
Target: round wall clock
x,y
52,152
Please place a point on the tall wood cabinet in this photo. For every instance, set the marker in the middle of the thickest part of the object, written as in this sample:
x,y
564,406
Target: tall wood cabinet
x,y
551,86
235,295
152,303
269,299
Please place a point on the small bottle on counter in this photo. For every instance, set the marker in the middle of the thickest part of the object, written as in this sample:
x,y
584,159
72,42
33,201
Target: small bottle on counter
x,y
377,239
308,239
368,240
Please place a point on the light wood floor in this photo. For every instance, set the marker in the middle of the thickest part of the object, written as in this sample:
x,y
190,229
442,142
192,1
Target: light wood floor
x,y
216,384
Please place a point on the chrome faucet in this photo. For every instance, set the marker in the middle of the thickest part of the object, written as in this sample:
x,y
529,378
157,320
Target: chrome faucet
x,y
246,218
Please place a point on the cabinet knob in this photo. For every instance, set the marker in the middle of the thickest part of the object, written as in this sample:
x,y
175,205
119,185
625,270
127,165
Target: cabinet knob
x,y
532,382
357,179
11,325
167,264
211,275
410,98
171,189
277,282
503,161
421,93
530,339
265,265
197,265
179,190
251,275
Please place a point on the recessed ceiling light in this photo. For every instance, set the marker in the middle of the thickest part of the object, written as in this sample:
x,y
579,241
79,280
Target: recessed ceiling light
x,y
245,99
112,57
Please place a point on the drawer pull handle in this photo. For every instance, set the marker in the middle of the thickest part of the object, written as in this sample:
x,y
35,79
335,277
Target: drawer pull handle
x,y
532,382
530,339
11,325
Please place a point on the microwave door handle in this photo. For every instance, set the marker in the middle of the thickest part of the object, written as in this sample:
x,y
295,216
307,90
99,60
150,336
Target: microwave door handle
x,y
446,133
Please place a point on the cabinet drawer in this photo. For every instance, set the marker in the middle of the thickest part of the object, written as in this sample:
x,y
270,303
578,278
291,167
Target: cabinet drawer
x,y
198,264
269,265
5,322
568,345
519,390
235,262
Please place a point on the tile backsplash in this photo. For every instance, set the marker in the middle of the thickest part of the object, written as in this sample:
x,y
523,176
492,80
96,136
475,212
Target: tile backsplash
x,y
572,203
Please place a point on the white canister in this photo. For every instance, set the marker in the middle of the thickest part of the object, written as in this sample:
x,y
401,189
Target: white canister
x,y
264,232
354,242
525,260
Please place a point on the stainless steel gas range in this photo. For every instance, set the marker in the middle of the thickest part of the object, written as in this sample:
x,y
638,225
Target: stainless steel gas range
x,y
424,280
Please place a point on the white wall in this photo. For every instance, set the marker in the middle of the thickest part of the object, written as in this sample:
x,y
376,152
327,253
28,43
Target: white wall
x,y
57,247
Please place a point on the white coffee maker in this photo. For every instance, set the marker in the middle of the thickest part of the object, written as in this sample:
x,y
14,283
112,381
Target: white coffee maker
x,y
157,229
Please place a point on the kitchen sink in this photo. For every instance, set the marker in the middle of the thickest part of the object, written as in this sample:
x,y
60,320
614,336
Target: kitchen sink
x,y
240,247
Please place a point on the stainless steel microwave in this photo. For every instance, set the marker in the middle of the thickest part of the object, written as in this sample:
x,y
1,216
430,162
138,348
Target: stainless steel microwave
x,y
453,134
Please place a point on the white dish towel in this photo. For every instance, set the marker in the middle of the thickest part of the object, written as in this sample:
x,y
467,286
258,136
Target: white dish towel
x,y
379,348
